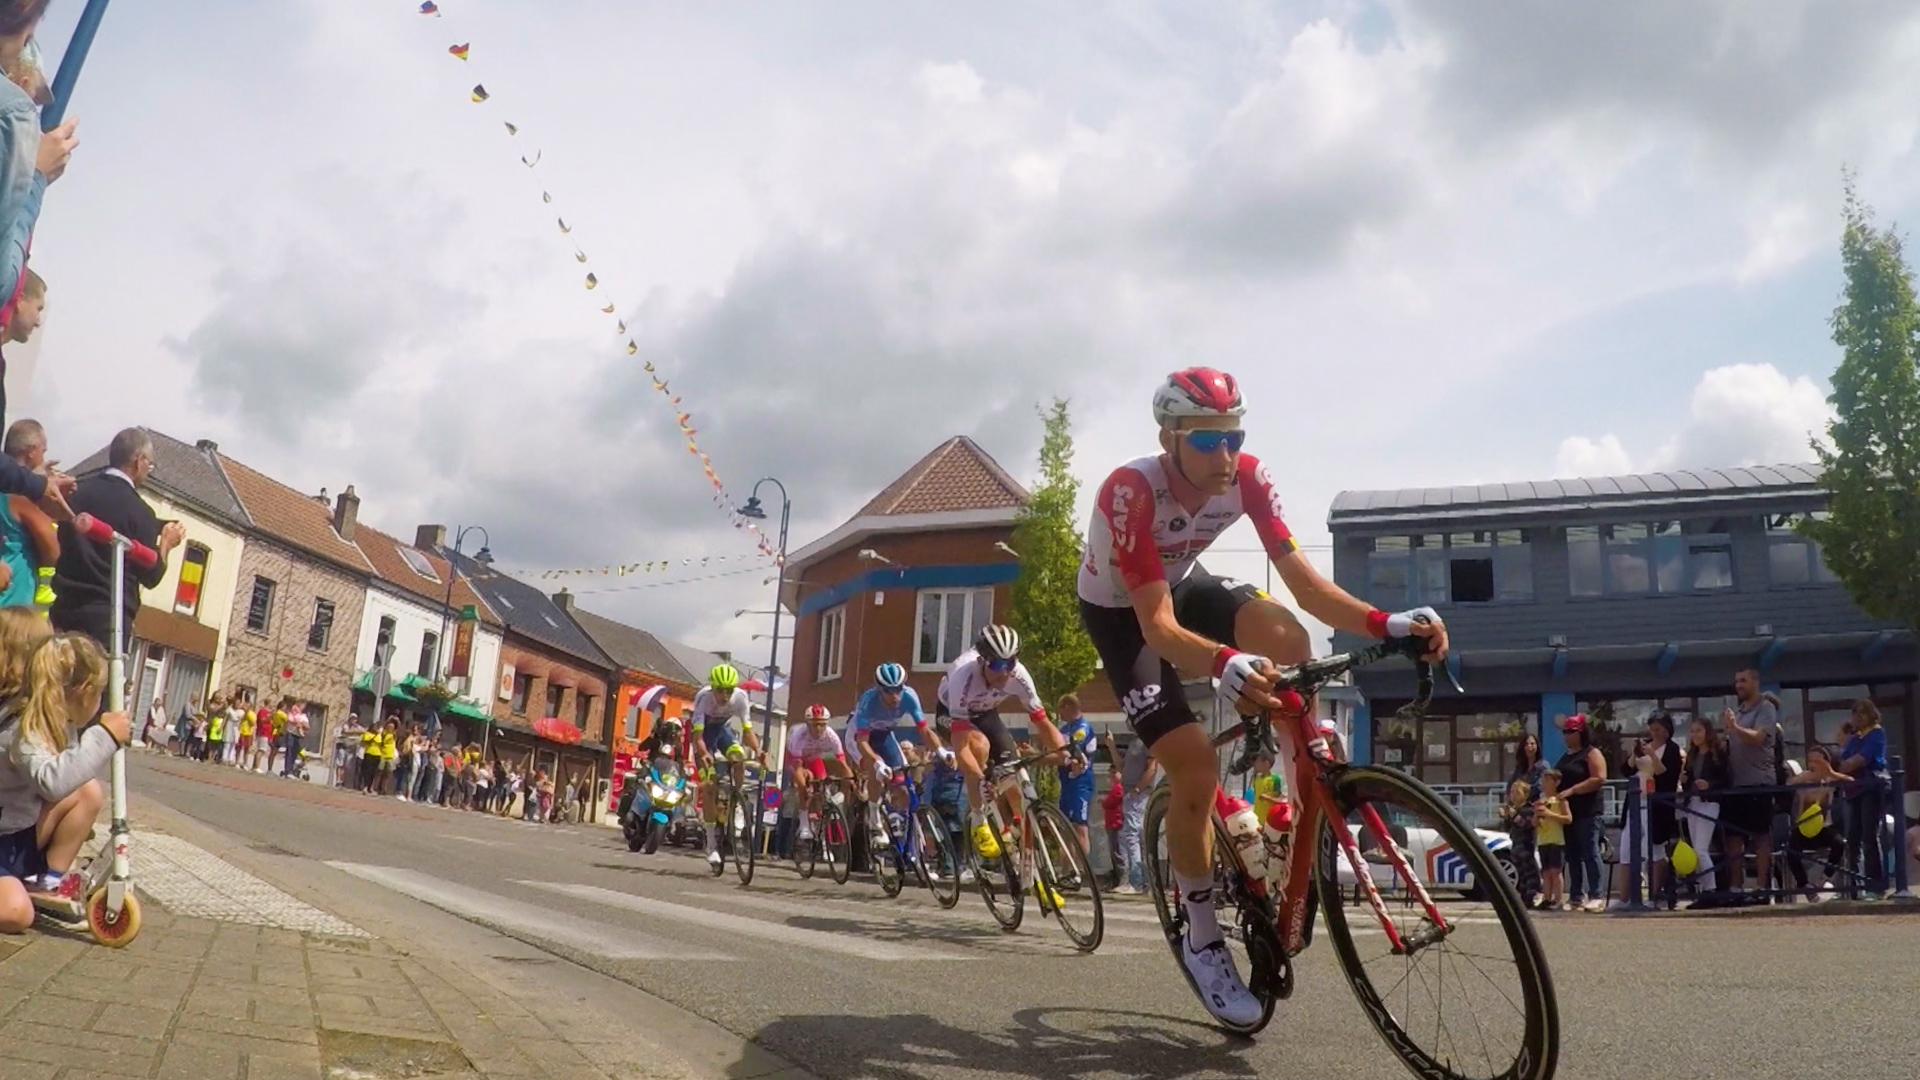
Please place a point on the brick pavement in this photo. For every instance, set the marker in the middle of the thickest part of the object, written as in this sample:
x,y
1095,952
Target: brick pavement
x,y
195,999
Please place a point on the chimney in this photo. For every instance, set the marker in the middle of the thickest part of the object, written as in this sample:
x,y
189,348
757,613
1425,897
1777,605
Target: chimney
x,y
322,498
430,537
563,600
346,513
207,447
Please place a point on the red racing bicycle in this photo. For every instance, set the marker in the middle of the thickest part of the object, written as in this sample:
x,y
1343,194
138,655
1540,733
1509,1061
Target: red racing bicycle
x,y
1382,836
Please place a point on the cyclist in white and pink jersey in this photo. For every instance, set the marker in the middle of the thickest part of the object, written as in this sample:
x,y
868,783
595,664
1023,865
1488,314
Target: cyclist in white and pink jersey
x,y
1152,612
814,750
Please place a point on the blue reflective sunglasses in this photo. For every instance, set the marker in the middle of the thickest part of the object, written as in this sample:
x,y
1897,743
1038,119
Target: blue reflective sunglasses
x,y
1207,441
1001,665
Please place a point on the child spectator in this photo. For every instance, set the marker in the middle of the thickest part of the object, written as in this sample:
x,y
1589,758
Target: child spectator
x,y
1076,776
1112,817
48,795
946,788
29,540
1550,819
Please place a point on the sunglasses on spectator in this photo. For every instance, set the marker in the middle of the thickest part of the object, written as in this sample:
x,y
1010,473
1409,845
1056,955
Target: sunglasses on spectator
x,y
1001,665
1207,441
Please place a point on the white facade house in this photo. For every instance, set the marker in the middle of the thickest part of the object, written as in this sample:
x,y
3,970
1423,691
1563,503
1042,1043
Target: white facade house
x,y
414,630
410,606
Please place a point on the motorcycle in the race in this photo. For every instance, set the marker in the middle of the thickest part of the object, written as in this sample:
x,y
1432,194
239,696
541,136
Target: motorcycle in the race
x,y
647,804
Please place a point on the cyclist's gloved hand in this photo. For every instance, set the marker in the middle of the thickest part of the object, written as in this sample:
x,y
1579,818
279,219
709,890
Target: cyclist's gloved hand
x,y
1402,624
881,772
1241,677
945,755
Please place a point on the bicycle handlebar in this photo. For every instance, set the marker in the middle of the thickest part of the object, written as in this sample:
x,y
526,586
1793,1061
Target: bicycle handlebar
x,y
100,532
1308,677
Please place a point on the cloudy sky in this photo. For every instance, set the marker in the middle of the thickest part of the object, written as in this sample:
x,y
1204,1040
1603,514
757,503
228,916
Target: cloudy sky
x,y
1438,244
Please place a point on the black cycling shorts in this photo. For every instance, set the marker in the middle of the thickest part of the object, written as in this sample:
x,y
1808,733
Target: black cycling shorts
x,y
1147,685
1000,745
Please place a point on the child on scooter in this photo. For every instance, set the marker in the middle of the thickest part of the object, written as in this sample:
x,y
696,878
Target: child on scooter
x,y
47,771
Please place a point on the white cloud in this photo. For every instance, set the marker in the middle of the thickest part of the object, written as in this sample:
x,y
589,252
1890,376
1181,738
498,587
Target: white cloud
x,y
1741,414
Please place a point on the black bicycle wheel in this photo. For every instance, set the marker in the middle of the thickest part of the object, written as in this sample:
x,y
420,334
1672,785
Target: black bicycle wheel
x,y
999,884
1060,867
836,842
1492,969
883,856
1255,951
744,824
806,847
938,857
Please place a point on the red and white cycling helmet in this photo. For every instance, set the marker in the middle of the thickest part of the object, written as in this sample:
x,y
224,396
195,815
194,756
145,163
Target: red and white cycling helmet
x,y
818,712
1197,391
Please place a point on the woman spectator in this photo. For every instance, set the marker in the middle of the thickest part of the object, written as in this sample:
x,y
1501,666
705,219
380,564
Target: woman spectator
x,y
1657,757
1813,826
1583,771
197,740
482,786
1864,760
1703,772
1520,826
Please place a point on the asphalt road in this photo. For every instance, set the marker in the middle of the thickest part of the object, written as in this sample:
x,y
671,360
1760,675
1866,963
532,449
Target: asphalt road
x,y
848,984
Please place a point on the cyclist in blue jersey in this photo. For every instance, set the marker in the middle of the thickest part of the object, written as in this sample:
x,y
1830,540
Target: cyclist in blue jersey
x,y
874,747
1076,776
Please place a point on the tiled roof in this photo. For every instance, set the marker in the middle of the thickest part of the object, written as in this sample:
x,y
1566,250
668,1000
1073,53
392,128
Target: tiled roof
x,y
632,647
957,475
391,566
185,472
527,611
1558,495
291,517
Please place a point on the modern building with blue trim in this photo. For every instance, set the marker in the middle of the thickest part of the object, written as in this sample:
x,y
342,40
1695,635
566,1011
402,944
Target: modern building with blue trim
x,y
1615,597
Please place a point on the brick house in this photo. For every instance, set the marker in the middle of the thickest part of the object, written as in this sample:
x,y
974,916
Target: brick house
x,y
550,670
299,600
910,578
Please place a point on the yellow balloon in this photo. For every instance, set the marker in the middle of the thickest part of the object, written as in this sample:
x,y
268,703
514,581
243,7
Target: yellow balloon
x,y
1812,820
1685,859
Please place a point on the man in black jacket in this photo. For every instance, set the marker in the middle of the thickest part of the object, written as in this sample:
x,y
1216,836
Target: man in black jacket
x,y
83,578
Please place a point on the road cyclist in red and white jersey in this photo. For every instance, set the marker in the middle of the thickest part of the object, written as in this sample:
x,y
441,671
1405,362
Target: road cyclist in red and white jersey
x,y
816,752
1153,612
971,693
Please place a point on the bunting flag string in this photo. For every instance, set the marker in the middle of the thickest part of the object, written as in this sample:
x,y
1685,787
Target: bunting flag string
x,y
464,52
649,566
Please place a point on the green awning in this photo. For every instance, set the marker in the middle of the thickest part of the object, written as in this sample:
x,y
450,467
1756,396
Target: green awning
x,y
398,691
460,708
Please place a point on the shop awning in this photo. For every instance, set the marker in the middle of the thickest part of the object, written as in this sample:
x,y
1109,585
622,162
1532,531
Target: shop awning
x,y
458,707
399,691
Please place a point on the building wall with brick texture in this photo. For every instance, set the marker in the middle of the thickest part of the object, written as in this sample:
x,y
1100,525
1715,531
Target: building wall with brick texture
x,y
255,658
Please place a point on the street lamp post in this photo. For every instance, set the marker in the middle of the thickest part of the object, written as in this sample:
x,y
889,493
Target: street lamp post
x,y
485,558
754,510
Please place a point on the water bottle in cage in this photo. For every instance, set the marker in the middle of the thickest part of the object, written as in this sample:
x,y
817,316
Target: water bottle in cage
x,y
1278,835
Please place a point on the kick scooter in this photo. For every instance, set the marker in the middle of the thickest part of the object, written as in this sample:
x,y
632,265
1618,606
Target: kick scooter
x,y
104,904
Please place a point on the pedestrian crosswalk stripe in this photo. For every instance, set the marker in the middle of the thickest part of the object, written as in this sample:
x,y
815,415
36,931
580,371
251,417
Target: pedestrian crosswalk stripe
x,y
816,906
779,933
595,938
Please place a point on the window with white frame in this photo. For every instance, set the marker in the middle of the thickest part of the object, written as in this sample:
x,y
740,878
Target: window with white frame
x,y
833,633
949,621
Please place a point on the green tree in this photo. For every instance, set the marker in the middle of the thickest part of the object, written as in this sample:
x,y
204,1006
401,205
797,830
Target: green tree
x,y
1046,606
1871,537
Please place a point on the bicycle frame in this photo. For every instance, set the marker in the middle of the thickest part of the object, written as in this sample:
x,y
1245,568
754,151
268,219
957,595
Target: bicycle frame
x,y
1312,765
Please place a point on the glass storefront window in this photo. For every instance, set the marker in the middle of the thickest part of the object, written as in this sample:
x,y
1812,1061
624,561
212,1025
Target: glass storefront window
x,y
1479,763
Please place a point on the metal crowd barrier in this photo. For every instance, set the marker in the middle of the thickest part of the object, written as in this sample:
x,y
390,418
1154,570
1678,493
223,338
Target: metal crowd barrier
x,y
1895,849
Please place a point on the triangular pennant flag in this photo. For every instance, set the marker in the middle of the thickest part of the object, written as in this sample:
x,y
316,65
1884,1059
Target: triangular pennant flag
x,y
545,198
459,51
479,93
511,130
579,256
592,281
530,164
632,347
608,310
622,327
649,367
429,8
563,225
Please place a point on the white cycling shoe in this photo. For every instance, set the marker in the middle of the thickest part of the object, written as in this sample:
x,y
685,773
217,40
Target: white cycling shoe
x,y
1221,990
713,857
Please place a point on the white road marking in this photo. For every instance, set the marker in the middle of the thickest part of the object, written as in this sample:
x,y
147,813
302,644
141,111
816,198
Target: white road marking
x,y
779,933
906,912
498,911
469,839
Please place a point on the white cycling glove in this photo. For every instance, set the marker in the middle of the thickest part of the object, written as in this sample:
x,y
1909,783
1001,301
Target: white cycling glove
x,y
945,755
1401,625
1232,669
881,772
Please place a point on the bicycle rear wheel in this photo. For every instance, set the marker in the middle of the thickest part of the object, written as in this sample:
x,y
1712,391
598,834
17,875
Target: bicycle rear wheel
x,y
998,882
937,855
1060,866
1485,964
835,842
1245,923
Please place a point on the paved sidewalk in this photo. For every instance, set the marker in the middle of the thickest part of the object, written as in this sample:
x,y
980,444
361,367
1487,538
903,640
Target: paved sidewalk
x,y
195,999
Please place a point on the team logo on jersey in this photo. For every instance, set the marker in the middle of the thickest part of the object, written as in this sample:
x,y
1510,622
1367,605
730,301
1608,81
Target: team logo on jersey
x,y
1178,524
1122,536
1143,699
1273,495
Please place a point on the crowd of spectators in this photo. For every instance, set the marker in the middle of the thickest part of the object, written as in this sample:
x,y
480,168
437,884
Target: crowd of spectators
x,y
414,764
